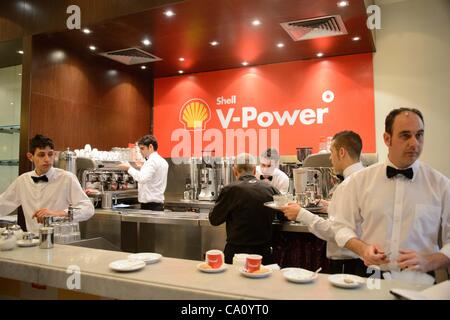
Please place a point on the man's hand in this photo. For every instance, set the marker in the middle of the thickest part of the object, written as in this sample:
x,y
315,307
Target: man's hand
x,y
324,203
124,166
139,164
373,255
412,260
41,213
291,211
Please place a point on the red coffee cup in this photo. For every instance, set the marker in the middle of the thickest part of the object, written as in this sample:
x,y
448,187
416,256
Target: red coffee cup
x,y
253,262
214,258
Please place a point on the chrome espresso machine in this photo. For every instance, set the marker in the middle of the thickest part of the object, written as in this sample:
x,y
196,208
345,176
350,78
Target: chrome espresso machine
x,y
103,182
207,176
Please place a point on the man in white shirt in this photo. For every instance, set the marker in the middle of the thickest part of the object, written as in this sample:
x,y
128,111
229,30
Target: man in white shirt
x,y
345,155
45,191
268,171
393,211
152,176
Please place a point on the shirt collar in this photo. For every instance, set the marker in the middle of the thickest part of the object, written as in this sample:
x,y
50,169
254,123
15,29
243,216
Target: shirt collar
x,y
153,154
50,173
247,177
351,169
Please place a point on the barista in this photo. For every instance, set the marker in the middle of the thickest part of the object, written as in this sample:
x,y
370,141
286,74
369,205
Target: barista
x,y
152,176
45,191
268,171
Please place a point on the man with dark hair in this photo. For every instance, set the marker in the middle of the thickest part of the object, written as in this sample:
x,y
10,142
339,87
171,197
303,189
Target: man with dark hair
x,y
268,170
45,191
152,176
393,211
241,205
346,149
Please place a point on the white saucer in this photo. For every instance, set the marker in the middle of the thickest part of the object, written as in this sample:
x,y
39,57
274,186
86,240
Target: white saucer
x,y
272,205
299,275
126,265
265,272
122,205
346,281
204,268
147,257
24,243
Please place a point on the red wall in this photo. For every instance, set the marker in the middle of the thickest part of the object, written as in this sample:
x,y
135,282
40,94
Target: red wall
x,y
278,88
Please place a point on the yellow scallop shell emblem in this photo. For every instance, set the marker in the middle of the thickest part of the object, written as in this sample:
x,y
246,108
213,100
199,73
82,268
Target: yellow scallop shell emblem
x,y
195,114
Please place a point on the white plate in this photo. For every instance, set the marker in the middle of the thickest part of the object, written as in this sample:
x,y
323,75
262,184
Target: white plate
x,y
339,280
126,265
299,275
266,272
272,205
122,205
204,267
24,243
147,257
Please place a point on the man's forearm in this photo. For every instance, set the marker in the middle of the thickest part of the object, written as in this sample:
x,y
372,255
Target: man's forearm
x,y
356,245
438,260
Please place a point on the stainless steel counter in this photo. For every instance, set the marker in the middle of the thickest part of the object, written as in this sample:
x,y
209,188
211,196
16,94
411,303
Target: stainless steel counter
x,y
179,217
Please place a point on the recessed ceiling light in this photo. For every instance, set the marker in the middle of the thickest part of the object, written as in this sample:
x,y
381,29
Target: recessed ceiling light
x,y
92,48
256,22
214,43
356,38
342,4
280,44
245,63
180,71
12,103
320,54
181,58
169,13
146,42
86,31
19,74
143,67
20,52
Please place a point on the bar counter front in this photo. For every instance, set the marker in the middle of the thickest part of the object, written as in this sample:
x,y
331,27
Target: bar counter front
x,y
170,278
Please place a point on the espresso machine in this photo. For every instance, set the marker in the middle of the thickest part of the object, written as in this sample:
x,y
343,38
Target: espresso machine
x,y
207,176
105,184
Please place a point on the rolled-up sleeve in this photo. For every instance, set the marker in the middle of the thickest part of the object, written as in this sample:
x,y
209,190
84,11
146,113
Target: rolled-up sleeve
x,y
345,210
320,227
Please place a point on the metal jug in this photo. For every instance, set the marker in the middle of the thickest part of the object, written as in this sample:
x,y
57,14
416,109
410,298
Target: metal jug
x,y
68,161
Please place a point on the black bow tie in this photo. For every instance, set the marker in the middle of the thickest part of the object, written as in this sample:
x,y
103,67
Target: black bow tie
x,y
261,177
41,178
392,172
340,177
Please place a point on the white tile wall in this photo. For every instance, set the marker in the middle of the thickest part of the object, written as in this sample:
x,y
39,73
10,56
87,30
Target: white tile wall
x,y
10,95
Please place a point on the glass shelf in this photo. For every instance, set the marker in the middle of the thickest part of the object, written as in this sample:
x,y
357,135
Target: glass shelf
x,y
10,129
10,163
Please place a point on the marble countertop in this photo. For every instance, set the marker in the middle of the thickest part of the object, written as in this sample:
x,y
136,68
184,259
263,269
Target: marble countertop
x,y
168,279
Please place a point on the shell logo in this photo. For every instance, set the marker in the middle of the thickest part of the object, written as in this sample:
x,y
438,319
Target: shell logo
x,y
194,114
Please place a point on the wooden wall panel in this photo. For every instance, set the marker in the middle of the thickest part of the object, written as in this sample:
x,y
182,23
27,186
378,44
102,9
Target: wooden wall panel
x,y
79,98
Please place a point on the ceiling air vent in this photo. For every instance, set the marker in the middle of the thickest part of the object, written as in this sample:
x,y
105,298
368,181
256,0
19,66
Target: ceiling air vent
x,y
315,28
131,56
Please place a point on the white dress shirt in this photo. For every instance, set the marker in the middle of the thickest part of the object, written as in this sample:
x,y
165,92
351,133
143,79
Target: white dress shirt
x,y
280,180
322,228
152,179
61,190
396,213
